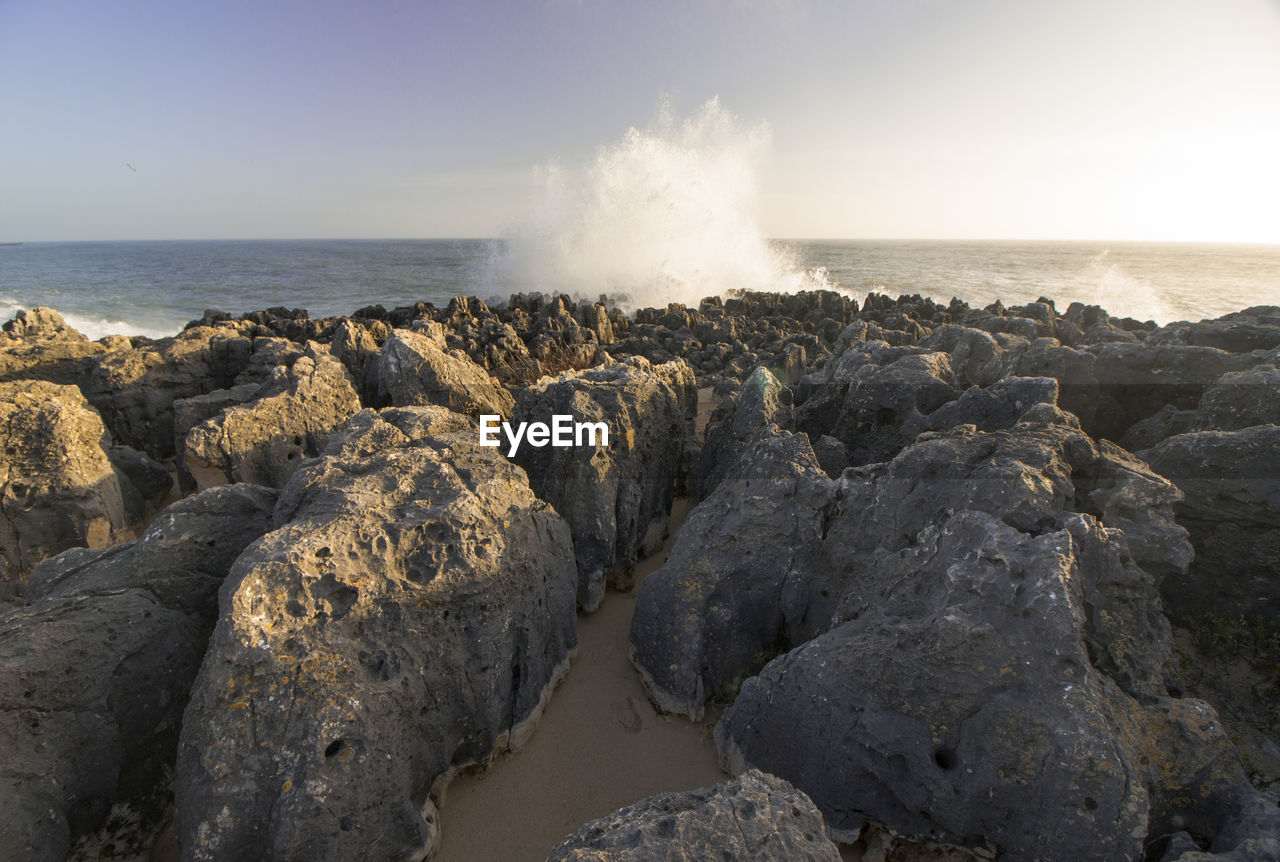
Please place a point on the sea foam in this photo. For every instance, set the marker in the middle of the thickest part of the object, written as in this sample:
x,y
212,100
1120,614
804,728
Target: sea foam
x,y
666,214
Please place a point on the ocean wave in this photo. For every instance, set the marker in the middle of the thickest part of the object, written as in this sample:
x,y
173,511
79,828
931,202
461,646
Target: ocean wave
x,y
93,327
666,214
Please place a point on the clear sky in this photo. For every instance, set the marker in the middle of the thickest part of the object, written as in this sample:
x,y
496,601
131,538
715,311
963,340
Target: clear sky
x,y
1126,119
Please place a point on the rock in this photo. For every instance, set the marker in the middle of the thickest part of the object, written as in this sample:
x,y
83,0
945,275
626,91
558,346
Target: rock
x,y
831,455
1241,399
38,344
756,816
406,621
357,345
414,370
997,406
135,390
59,488
1010,656
145,483
875,398
725,599
616,498
291,417
1231,480
94,674
761,402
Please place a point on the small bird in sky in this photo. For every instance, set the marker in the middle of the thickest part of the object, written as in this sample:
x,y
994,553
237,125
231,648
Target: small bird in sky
x,y
130,167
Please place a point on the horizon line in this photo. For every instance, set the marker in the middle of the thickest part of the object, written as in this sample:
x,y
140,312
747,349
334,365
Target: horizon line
x,y
787,239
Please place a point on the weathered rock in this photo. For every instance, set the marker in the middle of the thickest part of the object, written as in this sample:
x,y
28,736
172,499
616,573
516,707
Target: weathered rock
x,y
406,621
875,398
289,419
135,390
357,345
726,598
756,816
94,674
979,704
145,483
39,345
616,498
57,487
1011,656
1241,399
414,370
762,401
1231,480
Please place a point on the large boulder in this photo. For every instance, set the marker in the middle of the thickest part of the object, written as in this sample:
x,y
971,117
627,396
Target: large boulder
x,y
726,598
413,369
406,620
58,489
94,674
967,636
756,816
1231,483
289,418
616,498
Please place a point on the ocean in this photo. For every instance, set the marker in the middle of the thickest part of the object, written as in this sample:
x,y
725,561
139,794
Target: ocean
x,y
154,288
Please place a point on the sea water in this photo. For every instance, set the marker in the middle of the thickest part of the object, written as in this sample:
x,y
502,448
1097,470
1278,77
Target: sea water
x,y
667,213
154,288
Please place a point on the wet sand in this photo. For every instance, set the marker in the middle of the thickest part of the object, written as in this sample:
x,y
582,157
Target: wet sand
x,y
599,746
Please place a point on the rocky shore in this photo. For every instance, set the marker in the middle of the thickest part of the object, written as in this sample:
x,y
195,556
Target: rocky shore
x,y
961,583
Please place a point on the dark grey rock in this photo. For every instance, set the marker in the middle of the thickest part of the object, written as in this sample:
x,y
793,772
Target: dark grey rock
x,y
406,621
616,498
1231,483
94,674
756,816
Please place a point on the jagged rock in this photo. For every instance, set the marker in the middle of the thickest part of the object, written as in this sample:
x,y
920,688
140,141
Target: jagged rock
x,y
997,406
756,816
1241,399
875,398
1253,328
762,401
290,418
145,483
1231,480
1010,655
57,487
616,498
406,621
414,370
726,596
975,355
978,706
40,345
357,346
135,390
94,674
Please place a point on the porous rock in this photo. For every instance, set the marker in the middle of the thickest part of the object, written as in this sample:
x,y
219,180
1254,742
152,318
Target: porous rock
x,y
57,487
289,418
135,390
94,674
1009,655
1231,483
616,498
40,345
756,816
407,620
414,370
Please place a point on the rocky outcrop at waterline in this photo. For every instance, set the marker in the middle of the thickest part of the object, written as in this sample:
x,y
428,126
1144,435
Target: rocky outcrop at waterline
x,y
928,577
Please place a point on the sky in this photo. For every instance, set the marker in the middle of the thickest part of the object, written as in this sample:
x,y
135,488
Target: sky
x,y
1011,119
